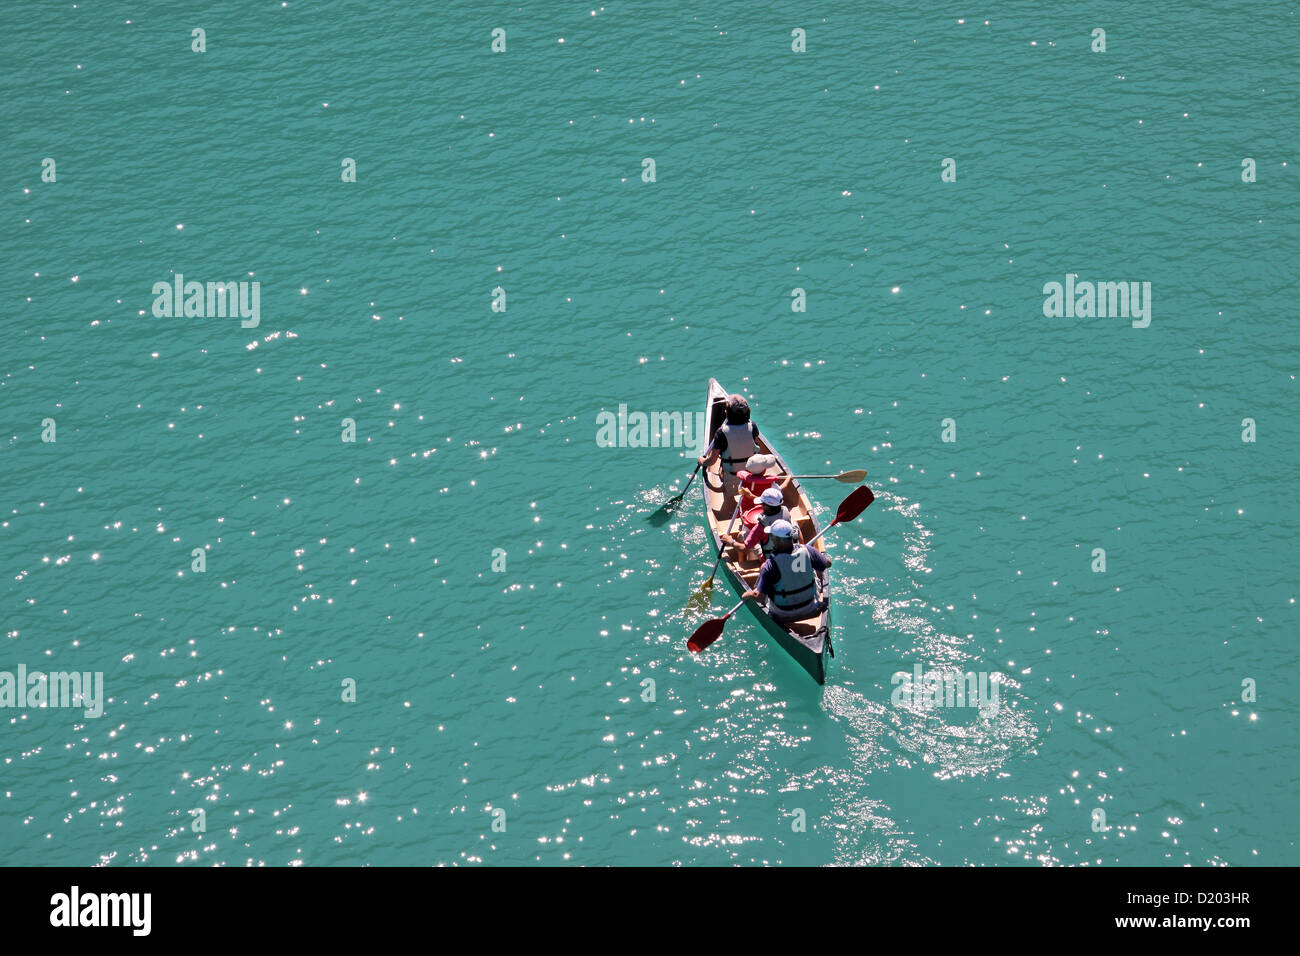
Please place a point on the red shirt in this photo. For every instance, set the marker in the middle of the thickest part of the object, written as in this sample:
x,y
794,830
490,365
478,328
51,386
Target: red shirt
x,y
757,535
757,483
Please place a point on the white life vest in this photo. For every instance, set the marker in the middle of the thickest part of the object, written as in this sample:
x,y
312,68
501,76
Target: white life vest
x,y
766,520
797,585
740,445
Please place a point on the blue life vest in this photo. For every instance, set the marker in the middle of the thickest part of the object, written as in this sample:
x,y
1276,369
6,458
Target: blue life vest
x,y
797,584
767,520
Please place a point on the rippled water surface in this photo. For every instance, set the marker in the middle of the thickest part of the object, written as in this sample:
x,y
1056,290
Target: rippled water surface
x,y
378,563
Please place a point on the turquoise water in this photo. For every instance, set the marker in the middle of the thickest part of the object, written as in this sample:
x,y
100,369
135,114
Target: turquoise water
x,y
480,690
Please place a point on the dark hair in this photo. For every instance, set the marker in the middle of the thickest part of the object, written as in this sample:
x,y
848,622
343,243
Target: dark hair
x,y
783,545
770,509
737,410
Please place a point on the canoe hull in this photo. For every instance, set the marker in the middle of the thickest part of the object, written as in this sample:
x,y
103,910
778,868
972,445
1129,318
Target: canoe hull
x,y
808,642
813,661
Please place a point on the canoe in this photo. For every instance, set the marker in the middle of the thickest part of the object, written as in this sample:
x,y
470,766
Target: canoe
x,y
807,641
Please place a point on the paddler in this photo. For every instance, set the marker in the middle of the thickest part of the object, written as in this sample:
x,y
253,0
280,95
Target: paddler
x,y
759,474
734,442
772,502
789,577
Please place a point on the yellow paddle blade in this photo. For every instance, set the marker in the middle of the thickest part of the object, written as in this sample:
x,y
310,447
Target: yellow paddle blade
x,y
702,598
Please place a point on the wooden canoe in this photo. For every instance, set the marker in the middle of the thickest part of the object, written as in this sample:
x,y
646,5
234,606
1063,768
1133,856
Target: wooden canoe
x,y
807,641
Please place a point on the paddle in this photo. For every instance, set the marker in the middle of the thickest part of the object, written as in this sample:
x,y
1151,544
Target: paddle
x,y
710,631
857,502
671,503
722,546
848,477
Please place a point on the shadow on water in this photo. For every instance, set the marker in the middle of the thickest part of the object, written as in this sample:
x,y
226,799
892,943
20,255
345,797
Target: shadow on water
x,y
664,514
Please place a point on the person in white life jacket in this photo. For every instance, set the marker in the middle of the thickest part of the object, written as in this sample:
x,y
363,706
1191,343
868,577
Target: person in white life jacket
x,y
789,577
774,509
734,443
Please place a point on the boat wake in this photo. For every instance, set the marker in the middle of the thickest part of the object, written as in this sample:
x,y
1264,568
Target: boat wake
x,y
888,628
756,719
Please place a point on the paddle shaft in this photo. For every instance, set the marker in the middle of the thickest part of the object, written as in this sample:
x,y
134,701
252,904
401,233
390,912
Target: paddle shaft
x,y
682,494
820,533
722,544
691,479
845,476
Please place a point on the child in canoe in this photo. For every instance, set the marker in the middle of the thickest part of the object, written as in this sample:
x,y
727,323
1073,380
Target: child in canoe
x,y
759,474
763,475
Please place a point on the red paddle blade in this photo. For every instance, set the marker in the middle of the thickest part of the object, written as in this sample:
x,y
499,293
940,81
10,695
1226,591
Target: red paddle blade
x,y
854,504
706,634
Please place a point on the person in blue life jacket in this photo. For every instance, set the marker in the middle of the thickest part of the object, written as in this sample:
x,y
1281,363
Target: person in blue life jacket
x,y
759,536
734,442
789,576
